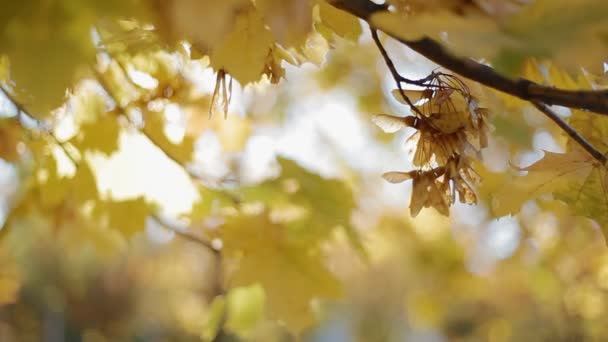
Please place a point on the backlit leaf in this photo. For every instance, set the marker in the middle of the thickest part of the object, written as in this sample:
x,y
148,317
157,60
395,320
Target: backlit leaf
x,y
127,216
243,51
291,275
343,24
155,129
101,135
289,21
389,123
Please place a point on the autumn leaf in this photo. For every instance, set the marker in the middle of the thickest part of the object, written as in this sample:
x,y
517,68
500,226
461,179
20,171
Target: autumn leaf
x,y
473,35
101,135
245,309
30,30
291,274
310,205
289,21
243,51
10,136
341,23
127,216
155,130
204,23
564,30
573,177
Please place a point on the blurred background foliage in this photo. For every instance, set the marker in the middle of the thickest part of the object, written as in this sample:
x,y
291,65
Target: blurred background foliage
x,y
207,170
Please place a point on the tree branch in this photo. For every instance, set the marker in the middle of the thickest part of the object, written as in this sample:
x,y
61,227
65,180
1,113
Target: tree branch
x,y
595,101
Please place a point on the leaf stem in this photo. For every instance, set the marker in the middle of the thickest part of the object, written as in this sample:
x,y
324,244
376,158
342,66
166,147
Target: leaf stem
x,y
572,133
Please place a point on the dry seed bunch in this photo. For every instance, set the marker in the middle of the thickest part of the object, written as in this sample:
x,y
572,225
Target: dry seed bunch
x,y
450,129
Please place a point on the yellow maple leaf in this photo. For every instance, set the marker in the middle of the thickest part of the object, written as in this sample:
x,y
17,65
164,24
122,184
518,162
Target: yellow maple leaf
x,y
564,30
243,51
291,274
289,21
46,53
154,129
343,24
472,35
203,23
128,216
100,135
573,177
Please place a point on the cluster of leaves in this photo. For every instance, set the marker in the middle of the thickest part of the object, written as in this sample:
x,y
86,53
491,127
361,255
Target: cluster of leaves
x,y
451,129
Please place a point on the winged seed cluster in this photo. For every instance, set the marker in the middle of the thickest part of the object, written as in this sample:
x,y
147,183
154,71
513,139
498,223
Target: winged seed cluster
x,y
450,129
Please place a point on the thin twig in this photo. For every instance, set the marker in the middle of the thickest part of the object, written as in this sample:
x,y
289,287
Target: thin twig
x,y
187,235
572,133
396,76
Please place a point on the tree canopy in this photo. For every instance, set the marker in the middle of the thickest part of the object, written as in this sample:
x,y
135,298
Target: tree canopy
x,y
317,170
